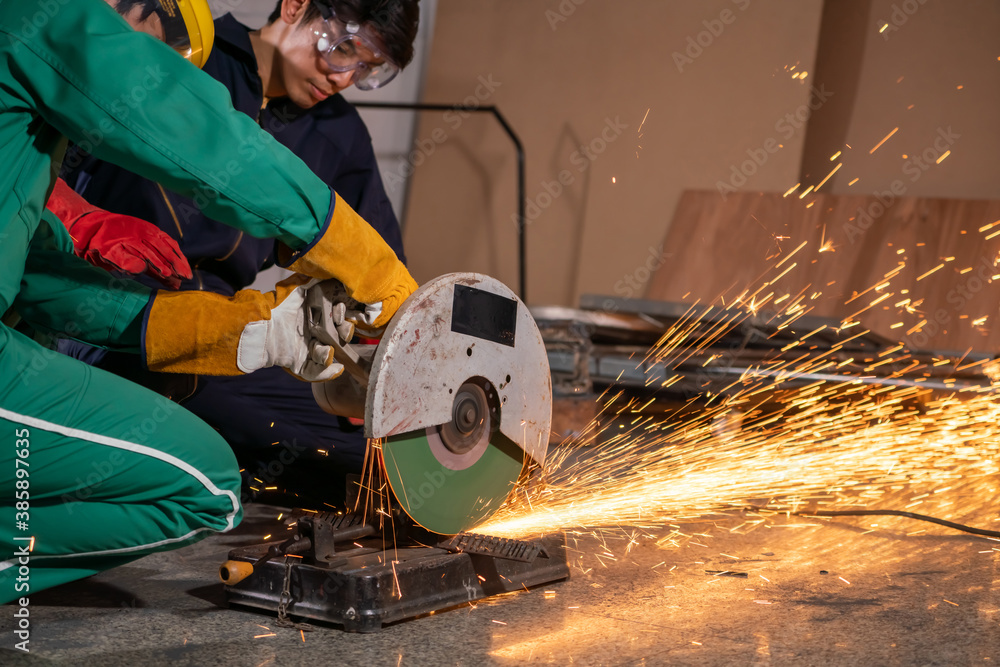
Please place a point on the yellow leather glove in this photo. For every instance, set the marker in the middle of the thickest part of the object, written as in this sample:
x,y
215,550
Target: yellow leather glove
x,y
210,334
351,251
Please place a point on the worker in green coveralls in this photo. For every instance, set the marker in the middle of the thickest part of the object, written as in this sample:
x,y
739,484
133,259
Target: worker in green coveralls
x,y
96,471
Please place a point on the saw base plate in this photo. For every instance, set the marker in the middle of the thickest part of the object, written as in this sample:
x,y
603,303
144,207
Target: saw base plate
x,y
366,587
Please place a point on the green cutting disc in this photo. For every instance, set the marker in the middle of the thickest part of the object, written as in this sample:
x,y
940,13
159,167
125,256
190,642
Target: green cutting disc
x,y
448,492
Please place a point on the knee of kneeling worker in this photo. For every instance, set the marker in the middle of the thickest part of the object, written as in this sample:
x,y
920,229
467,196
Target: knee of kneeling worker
x,y
208,503
209,490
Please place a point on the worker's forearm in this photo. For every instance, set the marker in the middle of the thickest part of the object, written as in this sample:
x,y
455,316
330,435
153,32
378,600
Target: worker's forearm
x,y
129,99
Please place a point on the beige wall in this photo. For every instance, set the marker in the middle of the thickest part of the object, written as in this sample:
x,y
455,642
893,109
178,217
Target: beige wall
x,y
909,78
564,83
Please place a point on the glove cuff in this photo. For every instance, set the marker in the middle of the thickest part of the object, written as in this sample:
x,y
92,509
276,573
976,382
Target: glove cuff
x,y
351,251
70,208
199,332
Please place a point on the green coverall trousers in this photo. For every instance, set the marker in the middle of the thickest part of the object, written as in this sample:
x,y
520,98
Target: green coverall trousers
x,y
103,470
93,442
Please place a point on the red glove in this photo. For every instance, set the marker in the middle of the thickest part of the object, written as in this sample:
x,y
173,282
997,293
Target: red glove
x,y
118,242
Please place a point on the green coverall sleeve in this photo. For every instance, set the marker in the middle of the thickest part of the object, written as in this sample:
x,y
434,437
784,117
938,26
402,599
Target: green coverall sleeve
x,y
63,294
129,99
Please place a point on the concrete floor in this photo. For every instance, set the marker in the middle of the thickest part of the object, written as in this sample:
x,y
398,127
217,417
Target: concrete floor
x,y
816,593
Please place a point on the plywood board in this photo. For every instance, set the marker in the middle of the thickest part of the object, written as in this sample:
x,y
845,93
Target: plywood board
x,y
718,247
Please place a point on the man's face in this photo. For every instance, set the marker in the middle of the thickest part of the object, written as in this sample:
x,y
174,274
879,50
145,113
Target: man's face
x,y
302,70
151,26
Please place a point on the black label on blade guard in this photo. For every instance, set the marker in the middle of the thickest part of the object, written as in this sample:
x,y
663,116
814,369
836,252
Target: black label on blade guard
x,y
484,315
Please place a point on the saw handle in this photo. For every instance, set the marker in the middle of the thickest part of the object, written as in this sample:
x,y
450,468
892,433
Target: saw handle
x,y
233,572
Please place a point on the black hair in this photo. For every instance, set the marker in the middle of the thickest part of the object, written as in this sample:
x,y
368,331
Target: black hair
x,y
123,7
395,21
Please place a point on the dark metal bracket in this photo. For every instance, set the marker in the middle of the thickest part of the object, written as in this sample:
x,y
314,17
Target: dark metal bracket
x,y
519,148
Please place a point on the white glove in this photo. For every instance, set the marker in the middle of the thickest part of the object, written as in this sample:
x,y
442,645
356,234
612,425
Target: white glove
x,y
285,340
346,309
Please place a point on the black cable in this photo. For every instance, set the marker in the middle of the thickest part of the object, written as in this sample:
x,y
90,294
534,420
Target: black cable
x,y
912,515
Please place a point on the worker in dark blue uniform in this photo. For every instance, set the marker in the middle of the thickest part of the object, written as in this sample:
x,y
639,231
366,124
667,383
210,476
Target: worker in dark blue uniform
x,y
270,419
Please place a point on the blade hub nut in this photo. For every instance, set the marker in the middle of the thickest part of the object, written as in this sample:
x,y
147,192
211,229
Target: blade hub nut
x,y
470,419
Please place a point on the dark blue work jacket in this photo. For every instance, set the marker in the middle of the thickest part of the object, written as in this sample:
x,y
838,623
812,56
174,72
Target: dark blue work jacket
x,y
330,138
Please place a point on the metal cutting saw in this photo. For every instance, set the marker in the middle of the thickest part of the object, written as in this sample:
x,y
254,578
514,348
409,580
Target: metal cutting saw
x,y
457,398
459,391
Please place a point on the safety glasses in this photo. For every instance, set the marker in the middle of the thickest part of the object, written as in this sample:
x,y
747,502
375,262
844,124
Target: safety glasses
x,y
350,47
